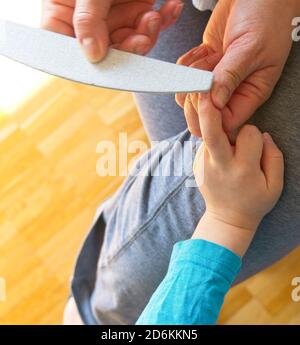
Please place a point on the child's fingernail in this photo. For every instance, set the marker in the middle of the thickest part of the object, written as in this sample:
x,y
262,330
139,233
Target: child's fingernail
x,y
91,49
221,96
203,96
177,11
154,26
268,138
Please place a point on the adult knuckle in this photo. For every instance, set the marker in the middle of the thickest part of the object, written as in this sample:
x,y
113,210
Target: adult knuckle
x,y
253,42
83,19
233,76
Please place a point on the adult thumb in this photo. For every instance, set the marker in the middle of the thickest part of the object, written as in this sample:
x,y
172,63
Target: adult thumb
x,y
91,28
235,66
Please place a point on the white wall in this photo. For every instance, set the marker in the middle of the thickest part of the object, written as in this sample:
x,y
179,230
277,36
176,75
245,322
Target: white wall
x,y
21,11
17,81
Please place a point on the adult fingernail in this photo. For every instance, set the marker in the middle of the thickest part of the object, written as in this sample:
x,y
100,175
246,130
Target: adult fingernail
x,y
177,11
154,26
141,49
221,96
91,49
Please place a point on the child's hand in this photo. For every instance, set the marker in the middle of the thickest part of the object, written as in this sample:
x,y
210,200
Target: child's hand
x,y
240,184
130,25
246,56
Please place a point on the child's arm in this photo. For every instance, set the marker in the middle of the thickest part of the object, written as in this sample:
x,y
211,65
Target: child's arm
x,y
199,276
240,185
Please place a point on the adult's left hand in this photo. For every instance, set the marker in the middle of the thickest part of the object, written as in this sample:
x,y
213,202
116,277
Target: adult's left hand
x,y
246,44
130,25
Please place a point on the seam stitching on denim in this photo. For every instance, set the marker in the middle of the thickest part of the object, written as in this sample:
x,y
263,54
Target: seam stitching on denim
x,y
145,225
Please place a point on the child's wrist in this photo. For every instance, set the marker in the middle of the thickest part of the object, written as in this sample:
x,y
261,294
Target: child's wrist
x,y
233,237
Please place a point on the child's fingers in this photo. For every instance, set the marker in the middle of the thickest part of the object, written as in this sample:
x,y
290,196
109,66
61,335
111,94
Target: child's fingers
x,y
191,116
207,64
186,60
201,57
249,146
272,164
199,165
212,131
180,99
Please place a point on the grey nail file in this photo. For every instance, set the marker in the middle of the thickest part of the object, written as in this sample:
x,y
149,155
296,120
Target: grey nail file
x,y
61,56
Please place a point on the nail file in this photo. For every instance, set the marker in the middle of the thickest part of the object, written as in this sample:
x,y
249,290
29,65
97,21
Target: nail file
x,y
62,56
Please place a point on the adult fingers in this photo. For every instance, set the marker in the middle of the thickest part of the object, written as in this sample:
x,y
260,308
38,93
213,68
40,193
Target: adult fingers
x,y
170,12
58,18
235,66
150,25
252,92
138,44
141,39
193,55
91,28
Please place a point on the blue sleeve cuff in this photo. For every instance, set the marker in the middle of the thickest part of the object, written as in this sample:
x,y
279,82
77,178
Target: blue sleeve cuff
x,y
192,293
209,255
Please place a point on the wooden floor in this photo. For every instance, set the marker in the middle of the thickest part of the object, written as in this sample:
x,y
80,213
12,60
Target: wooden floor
x,y
49,190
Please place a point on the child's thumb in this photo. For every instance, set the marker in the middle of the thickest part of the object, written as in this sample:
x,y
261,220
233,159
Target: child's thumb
x,y
272,164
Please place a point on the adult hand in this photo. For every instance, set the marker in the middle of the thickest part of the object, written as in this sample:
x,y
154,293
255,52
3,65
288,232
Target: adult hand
x,y
239,184
130,25
246,45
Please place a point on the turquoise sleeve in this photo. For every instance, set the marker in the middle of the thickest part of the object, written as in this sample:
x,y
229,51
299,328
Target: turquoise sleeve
x,y
192,293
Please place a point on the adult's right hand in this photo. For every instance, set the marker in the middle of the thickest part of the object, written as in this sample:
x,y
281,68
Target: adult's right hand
x,y
130,25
